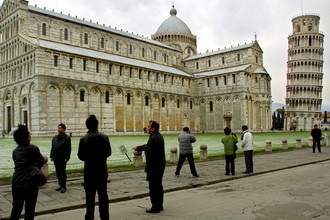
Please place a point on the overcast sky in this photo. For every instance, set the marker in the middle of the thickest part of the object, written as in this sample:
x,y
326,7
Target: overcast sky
x,y
216,23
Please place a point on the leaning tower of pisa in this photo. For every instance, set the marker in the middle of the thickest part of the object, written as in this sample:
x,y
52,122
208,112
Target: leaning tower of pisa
x,y
304,74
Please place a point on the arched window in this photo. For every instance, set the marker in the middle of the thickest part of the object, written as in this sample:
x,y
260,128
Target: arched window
x,y
117,46
163,102
102,42
82,95
66,34
44,31
298,28
107,97
211,106
128,99
146,99
86,38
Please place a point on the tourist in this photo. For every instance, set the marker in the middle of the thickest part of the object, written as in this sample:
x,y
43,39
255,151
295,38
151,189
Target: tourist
x,y
186,138
155,166
60,154
317,136
229,142
94,149
247,145
25,191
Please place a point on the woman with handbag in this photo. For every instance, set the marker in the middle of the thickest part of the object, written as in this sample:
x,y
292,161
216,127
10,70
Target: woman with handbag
x,y
24,190
229,142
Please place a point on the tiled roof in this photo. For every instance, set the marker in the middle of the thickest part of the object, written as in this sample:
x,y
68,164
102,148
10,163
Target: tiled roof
x,y
97,26
223,71
198,56
106,56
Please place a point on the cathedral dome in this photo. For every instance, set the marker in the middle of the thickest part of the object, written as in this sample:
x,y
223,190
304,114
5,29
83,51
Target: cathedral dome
x,y
173,24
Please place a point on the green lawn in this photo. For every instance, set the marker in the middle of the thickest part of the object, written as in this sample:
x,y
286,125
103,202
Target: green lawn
x,y
118,161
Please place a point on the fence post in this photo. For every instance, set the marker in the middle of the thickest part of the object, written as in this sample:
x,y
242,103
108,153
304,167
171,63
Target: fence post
x,y
203,152
285,144
137,158
269,145
174,155
310,141
44,168
298,143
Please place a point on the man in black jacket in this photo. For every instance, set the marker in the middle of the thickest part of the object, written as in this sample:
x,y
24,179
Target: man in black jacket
x,y
60,154
317,135
94,149
155,166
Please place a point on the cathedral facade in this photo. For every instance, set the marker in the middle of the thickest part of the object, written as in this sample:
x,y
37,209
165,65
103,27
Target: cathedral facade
x,y
55,68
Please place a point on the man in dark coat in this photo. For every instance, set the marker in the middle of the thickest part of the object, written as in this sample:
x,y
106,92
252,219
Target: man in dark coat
x,y
60,154
155,166
94,149
317,135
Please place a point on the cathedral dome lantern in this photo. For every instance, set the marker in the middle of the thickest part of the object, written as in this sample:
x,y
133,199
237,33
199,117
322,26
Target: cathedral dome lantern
x,y
176,33
173,24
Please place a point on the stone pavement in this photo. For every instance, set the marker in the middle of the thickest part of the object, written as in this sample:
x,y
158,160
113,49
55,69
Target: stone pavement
x,y
131,184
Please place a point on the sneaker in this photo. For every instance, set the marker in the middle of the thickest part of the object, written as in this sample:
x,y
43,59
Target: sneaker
x,y
177,174
63,190
195,176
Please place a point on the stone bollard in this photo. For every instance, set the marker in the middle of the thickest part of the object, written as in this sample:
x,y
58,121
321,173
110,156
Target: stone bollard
x,y
285,144
323,142
174,155
44,168
203,152
137,159
310,141
268,145
298,143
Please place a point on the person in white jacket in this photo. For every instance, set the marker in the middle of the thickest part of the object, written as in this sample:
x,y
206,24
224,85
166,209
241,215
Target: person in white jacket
x,y
247,145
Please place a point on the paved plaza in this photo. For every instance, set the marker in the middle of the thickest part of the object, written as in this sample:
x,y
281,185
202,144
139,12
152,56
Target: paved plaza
x,y
129,185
